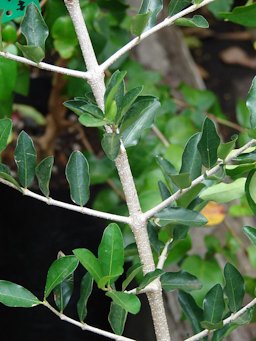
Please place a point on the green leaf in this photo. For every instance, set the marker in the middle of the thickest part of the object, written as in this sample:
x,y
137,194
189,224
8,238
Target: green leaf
x,y
181,280
251,233
191,310
224,192
88,120
5,131
59,270
90,262
77,173
14,295
138,118
85,293
128,302
131,274
195,21
128,100
111,145
208,144
112,88
251,101
191,158
180,216
25,158
250,186
93,110
177,6
111,252
9,178
219,6
76,106
63,292
36,32
186,199
153,7
225,148
43,173
242,15
234,288
214,306
181,180
149,277
156,244
139,23
117,318
168,170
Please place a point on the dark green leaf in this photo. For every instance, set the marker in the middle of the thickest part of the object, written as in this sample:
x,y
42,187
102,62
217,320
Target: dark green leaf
x,y
93,110
90,262
43,173
168,169
153,238
139,22
131,274
128,100
242,15
9,178
195,21
153,7
14,295
181,180
251,233
5,131
208,144
112,88
191,158
25,158
214,305
117,318
88,120
219,6
224,192
180,216
111,252
225,148
189,196
5,169
63,292
59,270
76,105
128,302
193,313
85,292
138,118
111,145
250,190
181,280
176,6
251,101
150,277
77,173
234,288
35,31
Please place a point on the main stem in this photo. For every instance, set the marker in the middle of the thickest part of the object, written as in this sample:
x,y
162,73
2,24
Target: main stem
x,y
138,223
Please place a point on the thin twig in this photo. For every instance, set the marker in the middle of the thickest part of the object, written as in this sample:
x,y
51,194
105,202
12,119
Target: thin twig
x,y
163,255
83,210
85,326
48,67
150,213
166,22
161,136
228,320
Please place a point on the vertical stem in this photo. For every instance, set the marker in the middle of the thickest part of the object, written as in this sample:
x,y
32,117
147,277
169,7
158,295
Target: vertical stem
x,y
139,223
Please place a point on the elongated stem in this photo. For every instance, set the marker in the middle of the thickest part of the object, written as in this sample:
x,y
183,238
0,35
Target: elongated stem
x,y
85,326
47,67
150,213
166,22
228,320
163,255
83,210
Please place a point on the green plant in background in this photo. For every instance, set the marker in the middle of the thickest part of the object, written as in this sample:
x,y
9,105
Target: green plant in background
x,y
173,181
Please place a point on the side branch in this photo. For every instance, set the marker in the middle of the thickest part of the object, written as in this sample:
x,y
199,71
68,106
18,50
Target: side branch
x,y
228,320
166,22
83,210
48,67
85,326
150,213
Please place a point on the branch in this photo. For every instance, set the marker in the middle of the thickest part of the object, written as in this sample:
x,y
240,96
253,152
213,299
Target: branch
x,y
228,320
48,67
163,255
150,213
166,22
85,326
83,210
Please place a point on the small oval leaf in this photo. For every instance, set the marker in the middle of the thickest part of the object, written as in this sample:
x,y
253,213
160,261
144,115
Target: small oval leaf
x,y
234,288
85,292
214,305
5,131
128,302
14,295
181,280
117,318
43,174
